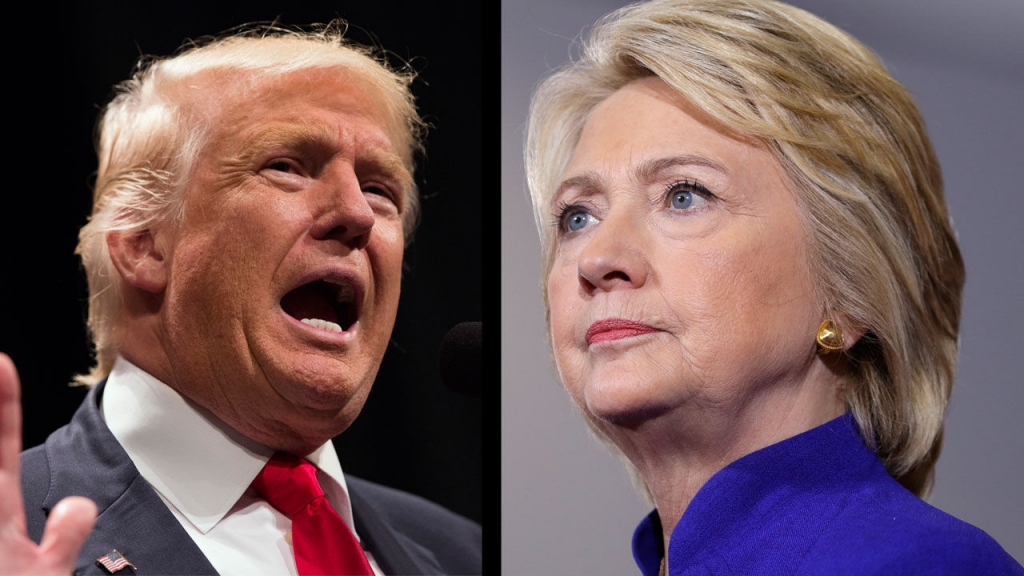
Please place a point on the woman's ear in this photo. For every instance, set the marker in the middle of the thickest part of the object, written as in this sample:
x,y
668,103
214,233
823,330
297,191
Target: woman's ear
x,y
837,332
139,259
852,332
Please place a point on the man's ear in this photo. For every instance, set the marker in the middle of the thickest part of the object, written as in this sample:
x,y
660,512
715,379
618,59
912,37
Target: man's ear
x,y
139,259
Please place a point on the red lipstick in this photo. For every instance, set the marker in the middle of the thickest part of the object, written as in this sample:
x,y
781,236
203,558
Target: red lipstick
x,y
614,329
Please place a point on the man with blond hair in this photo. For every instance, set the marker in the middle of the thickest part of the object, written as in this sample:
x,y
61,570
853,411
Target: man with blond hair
x,y
244,256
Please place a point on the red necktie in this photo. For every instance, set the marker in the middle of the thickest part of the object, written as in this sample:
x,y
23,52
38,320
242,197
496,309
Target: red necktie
x,y
323,544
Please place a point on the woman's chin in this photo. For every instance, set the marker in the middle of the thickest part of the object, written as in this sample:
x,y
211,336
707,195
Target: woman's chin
x,y
623,405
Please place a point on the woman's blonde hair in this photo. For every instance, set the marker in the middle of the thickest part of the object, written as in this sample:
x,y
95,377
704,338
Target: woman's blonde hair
x,y
854,144
150,136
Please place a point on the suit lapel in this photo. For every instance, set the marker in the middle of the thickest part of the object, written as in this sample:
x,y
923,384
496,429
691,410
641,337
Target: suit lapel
x,y
140,526
86,460
394,552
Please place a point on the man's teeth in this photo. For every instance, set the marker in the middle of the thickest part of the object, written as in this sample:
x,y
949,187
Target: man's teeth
x,y
322,324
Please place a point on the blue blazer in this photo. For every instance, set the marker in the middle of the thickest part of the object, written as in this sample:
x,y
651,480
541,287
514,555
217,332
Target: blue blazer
x,y
406,534
818,503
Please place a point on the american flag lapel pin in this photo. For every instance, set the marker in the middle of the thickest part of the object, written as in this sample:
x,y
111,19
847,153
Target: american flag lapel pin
x,y
114,561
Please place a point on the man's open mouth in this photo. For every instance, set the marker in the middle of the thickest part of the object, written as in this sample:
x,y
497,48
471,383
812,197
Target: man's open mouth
x,y
323,305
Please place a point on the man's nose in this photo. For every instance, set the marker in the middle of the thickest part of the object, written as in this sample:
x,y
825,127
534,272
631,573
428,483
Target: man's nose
x,y
614,255
343,213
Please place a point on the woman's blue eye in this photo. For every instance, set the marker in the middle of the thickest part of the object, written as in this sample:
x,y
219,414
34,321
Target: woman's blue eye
x,y
577,220
682,199
687,195
571,218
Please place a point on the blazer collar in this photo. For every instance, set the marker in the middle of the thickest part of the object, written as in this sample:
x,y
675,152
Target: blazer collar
x,y
794,489
394,552
86,460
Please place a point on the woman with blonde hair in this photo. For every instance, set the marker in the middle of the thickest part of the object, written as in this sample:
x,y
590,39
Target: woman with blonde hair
x,y
753,289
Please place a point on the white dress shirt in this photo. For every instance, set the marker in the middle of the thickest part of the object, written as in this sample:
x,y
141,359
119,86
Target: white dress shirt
x,y
202,469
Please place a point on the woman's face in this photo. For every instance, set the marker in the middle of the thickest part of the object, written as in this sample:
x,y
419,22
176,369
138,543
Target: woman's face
x,y
681,274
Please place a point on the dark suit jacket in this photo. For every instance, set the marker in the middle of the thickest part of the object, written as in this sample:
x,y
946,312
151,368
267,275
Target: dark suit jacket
x,y
406,534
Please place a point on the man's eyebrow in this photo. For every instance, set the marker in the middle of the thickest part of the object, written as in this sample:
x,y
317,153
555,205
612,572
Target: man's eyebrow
x,y
377,156
390,165
644,172
291,136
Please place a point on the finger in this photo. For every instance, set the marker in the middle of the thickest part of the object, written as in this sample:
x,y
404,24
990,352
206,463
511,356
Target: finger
x,y
12,509
10,417
67,528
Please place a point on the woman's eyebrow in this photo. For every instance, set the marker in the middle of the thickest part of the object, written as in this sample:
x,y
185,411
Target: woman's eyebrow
x,y
644,172
588,180
649,169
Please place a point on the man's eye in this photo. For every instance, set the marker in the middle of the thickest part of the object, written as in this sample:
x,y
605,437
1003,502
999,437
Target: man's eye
x,y
379,191
285,166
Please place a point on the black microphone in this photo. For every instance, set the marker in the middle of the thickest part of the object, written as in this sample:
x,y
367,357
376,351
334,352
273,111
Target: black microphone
x,y
459,358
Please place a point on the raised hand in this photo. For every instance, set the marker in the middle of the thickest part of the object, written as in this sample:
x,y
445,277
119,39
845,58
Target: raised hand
x,y
69,522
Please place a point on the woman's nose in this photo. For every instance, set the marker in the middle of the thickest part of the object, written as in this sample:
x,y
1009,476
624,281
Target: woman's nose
x,y
613,256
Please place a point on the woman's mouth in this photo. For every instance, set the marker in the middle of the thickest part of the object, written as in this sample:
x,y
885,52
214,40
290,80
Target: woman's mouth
x,y
616,329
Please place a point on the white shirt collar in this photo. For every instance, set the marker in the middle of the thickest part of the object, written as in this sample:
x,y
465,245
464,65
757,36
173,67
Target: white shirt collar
x,y
195,461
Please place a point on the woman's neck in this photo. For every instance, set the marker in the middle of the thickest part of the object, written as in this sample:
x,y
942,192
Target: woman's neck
x,y
678,452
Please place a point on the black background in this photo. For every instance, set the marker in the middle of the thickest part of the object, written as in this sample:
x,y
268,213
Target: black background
x,y
414,434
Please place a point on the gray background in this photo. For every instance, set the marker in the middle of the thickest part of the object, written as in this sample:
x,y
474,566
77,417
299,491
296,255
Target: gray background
x,y
567,504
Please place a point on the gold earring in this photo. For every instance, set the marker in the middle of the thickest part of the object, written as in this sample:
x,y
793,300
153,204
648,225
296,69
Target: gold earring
x,y
830,337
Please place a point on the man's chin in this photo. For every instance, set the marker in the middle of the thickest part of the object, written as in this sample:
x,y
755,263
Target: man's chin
x,y
316,392
299,440
307,415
